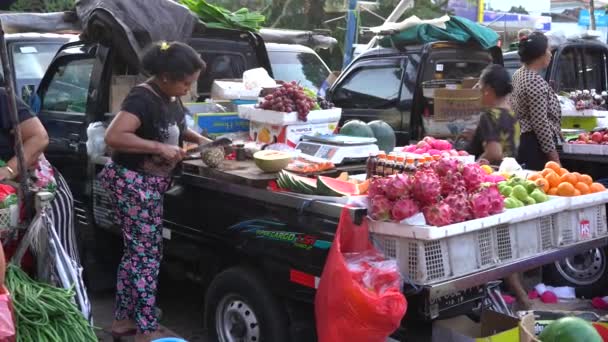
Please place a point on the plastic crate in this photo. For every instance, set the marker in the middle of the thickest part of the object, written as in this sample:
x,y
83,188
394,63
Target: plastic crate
x,y
431,261
580,224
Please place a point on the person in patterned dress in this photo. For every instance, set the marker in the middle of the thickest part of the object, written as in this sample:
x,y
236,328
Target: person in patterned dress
x,y
536,105
497,134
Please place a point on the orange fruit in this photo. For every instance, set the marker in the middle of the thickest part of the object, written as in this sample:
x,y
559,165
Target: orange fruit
x,y
562,172
542,184
587,179
583,188
553,179
533,177
577,192
553,166
566,190
568,178
578,176
596,187
552,192
546,172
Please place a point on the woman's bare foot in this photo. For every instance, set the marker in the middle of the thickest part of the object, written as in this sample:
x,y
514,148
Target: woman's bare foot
x,y
124,326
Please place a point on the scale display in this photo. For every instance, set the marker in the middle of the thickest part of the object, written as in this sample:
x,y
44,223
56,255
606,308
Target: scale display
x,y
337,154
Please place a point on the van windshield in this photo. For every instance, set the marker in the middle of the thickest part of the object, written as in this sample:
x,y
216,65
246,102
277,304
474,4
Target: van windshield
x,y
303,67
31,61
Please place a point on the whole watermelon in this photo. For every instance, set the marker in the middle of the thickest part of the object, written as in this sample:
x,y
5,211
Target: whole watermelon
x,y
385,135
570,329
357,128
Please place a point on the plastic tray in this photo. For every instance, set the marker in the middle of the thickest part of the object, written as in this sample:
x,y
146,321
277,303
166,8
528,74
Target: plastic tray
x,y
510,216
250,112
585,149
578,225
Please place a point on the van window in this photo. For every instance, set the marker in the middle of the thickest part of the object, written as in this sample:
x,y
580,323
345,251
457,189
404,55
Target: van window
x,y
223,65
569,72
370,86
69,87
594,69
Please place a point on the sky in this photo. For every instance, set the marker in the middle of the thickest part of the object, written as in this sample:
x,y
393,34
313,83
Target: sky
x,y
532,6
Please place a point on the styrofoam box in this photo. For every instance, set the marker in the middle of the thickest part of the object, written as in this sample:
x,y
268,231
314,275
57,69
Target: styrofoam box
x,y
509,216
584,149
250,112
431,261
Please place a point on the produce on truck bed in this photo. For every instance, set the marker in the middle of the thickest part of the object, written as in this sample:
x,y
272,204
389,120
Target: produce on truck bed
x,y
448,192
595,138
384,134
557,181
219,17
44,312
570,329
357,128
271,161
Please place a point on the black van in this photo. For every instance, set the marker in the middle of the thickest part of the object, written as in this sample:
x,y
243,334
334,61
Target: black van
x,y
386,83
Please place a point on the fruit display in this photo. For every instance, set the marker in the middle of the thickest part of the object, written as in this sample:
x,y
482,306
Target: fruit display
x,y
357,128
384,134
557,181
305,165
288,98
434,147
271,161
448,192
595,138
588,99
322,186
519,192
570,329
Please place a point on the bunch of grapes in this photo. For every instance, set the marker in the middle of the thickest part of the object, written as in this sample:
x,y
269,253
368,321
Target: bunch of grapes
x,y
324,104
288,98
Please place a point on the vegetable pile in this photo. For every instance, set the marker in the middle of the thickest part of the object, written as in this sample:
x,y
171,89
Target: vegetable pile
x,y
45,313
446,192
219,17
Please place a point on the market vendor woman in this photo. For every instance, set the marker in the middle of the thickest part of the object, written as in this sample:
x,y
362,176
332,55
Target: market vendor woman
x,y
145,137
536,105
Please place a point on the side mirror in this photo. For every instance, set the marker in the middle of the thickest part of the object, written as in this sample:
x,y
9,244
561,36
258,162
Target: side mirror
x,y
27,92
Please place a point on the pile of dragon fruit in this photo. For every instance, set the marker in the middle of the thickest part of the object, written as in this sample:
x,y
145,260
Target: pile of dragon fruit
x,y
446,193
434,147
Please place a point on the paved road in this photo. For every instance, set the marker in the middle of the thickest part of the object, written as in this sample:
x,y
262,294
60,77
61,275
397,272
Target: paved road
x,y
180,301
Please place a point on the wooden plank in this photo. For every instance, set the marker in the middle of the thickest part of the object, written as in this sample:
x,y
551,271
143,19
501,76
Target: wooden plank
x,y
238,172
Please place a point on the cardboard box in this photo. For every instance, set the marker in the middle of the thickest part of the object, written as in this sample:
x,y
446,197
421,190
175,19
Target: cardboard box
x,y
289,134
216,124
494,327
232,89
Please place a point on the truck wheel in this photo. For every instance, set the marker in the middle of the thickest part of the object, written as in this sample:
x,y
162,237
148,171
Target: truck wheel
x,y
239,307
586,272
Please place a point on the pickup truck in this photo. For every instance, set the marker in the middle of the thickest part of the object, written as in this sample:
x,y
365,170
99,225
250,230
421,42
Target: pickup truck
x,y
257,254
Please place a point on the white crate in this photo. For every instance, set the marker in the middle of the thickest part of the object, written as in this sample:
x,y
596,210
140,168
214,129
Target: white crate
x,y
580,224
430,261
584,149
250,112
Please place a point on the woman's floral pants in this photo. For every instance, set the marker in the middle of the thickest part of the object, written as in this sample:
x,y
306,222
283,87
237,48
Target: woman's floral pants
x,y
138,200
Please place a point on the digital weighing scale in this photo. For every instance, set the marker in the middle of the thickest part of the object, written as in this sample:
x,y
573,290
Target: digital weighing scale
x,y
338,149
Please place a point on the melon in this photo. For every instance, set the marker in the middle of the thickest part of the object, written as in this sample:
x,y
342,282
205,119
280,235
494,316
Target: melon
x,y
570,329
271,161
356,128
297,183
327,186
384,134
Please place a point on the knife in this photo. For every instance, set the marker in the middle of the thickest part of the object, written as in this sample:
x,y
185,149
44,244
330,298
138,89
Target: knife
x,y
194,153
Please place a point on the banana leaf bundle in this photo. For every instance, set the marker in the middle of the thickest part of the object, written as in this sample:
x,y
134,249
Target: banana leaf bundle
x,y
219,17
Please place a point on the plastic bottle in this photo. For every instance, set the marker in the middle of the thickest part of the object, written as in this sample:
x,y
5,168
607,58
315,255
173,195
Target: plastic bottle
x,y
399,165
371,165
410,166
389,165
381,160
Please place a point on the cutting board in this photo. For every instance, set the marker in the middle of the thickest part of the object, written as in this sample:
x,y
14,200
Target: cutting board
x,y
237,172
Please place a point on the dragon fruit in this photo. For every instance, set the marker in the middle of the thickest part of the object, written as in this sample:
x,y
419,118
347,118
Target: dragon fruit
x,y
410,148
452,183
441,145
404,208
460,207
438,215
381,208
397,187
426,187
376,188
473,176
497,201
480,205
445,165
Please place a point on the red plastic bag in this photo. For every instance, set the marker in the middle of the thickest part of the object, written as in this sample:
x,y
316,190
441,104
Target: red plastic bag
x,y
7,318
359,297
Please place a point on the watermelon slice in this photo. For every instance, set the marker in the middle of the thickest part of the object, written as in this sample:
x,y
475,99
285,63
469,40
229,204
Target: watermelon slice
x,y
299,184
327,186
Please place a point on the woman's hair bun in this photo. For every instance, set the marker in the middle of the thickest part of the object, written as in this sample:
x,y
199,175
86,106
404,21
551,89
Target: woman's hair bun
x,y
175,60
532,47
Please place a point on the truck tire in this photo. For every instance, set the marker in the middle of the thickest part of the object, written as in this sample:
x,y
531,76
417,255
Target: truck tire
x,y
586,272
240,307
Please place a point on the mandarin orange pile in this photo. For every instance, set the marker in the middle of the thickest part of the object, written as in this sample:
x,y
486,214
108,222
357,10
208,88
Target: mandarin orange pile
x,y
557,181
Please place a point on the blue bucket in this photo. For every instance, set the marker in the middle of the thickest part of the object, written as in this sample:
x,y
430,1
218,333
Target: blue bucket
x,y
170,339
